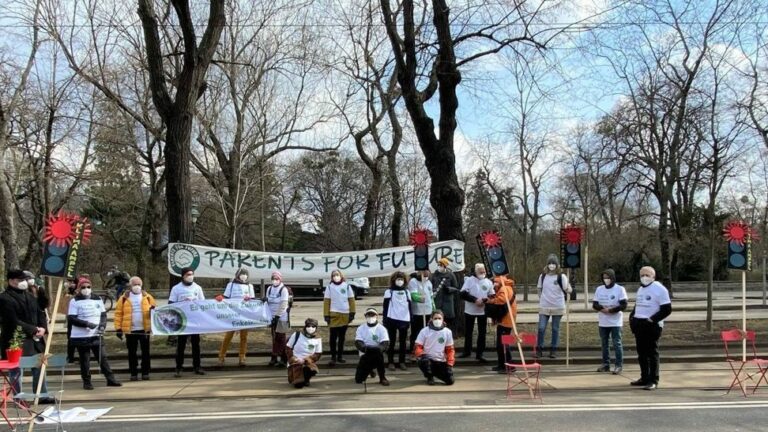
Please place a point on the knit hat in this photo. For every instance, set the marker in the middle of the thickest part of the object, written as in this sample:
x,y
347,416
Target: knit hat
x,y
444,261
610,273
186,270
277,275
553,259
83,281
371,311
310,322
15,274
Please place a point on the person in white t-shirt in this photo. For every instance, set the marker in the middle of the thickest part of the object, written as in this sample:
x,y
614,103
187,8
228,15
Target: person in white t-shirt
x,y
237,289
610,301
371,340
435,352
304,349
422,294
338,313
475,293
652,306
553,287
278,296
187,290
397,318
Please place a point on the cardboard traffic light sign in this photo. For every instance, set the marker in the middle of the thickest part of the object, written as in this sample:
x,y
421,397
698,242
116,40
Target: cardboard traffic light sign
x,y
419,239
739,237
493,252
63,237
570,247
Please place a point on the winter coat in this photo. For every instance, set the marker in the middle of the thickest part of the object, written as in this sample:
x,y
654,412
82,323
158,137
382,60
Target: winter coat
x,y
124,311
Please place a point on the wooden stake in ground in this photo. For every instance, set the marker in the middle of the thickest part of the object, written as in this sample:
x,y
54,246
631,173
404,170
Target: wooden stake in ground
x,y
48,342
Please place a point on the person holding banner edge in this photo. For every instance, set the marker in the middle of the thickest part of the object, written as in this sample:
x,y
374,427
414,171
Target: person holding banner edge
x,y
237,289
187,290
338,313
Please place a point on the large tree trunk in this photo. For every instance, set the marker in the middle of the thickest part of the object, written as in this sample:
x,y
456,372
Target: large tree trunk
x,y
371,207
177,186
397,198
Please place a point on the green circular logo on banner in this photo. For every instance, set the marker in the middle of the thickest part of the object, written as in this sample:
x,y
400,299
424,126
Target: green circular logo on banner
x,y
172,320
181,256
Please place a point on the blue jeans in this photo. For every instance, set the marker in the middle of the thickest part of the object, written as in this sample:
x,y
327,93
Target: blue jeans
x,y
14,375
615,334
543,319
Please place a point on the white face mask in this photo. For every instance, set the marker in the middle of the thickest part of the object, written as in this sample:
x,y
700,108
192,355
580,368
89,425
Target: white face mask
x,y
189,279
551,267
243,277
481,275
607,282
276,282
311,330
372,320
441,269
646,280
136,289
23,285
399,282
337,279
437,323
86,292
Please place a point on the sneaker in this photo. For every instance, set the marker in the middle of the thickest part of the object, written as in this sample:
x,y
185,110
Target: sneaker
x,y
651,386
87,386
199,371
177,374
430,381
617,370
538,353
145,377
638,382
113,383
552,355
134,378
340,360
242,363
499,369
384,382
272,362
402,367
391,366
604,368
280,364
482,359
46,401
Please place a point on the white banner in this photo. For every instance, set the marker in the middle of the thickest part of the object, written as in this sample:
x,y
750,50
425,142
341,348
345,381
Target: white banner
x,y
210,262
209,316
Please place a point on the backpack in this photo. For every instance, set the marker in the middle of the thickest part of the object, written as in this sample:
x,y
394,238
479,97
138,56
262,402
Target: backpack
x,y
497,312
290,296
560,284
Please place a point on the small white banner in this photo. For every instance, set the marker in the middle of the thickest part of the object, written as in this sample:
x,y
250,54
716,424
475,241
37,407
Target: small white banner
x,y
209,316
210,262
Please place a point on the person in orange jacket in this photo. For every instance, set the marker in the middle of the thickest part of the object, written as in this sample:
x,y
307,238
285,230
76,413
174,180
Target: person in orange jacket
x,y
434,351
505,293
132,320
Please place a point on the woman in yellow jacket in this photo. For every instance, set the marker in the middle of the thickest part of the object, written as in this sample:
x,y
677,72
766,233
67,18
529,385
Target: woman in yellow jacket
x,y
132,319
505,293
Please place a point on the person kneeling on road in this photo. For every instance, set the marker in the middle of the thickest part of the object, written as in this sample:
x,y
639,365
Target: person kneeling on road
x,y
371,339
434,351
89,319
303,351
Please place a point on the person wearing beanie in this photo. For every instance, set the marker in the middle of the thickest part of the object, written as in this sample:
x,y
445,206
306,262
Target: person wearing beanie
x,y
475,292
187,290
553,287
371,340
646,320
420,289
610,301
20,309
338,313
505,295
278,296
434,351
237,289
446,291
304,349
132,321
397,318
89,320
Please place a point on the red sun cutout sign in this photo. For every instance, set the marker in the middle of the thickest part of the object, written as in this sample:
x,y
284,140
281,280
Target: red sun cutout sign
x,y
60,229
420,237
570,235
737,232
490,239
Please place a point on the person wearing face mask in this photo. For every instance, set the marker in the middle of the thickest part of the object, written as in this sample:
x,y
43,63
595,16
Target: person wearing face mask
x,y
553,287
132,322
187,290
303,349
19,308
277,299
434,351
420,289
89,319
475,292
505,295
652,306
338,313
446,291
610,301
38,291
371,340
237,289
397,318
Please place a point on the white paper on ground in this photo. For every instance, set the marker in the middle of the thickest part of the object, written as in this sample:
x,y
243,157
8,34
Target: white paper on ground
x,y
72,415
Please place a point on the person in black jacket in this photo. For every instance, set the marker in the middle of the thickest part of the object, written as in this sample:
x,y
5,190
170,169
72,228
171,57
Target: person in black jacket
x,y
652,306
19,309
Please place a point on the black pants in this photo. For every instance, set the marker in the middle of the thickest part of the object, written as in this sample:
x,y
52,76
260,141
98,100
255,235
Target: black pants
x,y
436,369
647,336
500,359
92,345
70,347
132,342
417,323
397,330
469,327
372,359
181,346
308,374
338,337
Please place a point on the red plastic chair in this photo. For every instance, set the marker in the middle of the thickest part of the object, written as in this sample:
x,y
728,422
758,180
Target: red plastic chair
x,y
522,374
738,365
